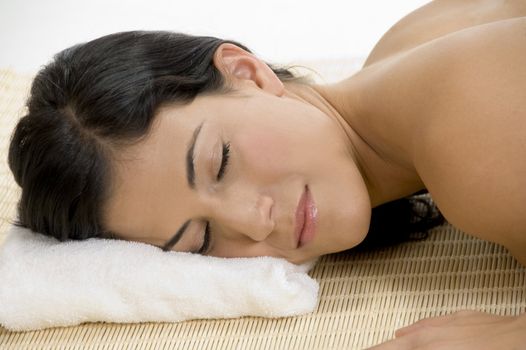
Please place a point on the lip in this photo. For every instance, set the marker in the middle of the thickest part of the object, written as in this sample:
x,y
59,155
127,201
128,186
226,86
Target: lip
x,y
306,218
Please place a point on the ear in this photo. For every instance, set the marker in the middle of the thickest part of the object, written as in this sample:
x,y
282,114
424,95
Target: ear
x,y
239,67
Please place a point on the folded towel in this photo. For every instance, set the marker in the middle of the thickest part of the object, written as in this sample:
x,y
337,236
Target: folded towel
x,y
47,283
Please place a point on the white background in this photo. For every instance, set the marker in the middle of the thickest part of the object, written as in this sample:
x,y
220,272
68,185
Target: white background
x,y
278,31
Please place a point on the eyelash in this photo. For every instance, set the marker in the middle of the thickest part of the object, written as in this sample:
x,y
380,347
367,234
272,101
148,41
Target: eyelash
x,y
224,162
222,169
206,243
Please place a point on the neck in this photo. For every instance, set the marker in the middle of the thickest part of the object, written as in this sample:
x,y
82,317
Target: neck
x,y
387,177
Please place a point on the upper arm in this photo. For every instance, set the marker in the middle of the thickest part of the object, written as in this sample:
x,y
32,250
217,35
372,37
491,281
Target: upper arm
x,y
472,153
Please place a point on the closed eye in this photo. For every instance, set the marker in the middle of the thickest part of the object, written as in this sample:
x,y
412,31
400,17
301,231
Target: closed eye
x,y
224,161
206,241
221,173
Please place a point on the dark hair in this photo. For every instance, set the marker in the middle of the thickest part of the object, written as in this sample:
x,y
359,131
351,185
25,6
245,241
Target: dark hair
x,y
96,97
401,220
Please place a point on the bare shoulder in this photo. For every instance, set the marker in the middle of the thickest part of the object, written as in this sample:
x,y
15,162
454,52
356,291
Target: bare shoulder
x,y
471,150
439,18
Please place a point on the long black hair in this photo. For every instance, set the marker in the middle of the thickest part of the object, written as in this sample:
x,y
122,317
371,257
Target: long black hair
x,y
96,97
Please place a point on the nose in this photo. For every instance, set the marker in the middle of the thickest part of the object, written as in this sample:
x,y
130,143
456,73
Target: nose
x,y
247,214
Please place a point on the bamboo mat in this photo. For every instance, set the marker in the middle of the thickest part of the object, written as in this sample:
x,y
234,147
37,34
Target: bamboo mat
x,y
364,297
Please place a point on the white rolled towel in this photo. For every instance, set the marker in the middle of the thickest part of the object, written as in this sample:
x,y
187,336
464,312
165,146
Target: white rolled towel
x,y
47,283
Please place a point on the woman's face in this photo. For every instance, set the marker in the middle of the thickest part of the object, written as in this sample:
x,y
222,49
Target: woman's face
x,y
278,145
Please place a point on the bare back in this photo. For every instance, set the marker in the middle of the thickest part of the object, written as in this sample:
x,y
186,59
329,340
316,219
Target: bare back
x,y
439,18
452,72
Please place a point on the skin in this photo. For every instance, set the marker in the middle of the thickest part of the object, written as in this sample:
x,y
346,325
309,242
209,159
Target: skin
x,y
353,152
435,106
468,329
279,142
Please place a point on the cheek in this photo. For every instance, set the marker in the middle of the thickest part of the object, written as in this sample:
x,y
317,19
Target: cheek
x,y
265,151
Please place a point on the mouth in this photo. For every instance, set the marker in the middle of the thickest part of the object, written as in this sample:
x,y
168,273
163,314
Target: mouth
x,y
306,218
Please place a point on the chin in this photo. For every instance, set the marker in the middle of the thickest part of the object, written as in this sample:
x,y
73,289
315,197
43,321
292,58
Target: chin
x,y
303,260
349,241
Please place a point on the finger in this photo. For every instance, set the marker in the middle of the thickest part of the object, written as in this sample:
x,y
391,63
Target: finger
x,y
463,316
459,318
394,344
406,330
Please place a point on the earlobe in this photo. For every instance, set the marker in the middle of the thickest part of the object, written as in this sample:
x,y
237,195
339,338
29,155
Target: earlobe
x,y
238,65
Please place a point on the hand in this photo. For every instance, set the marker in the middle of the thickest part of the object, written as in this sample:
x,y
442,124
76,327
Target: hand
x,y
463,330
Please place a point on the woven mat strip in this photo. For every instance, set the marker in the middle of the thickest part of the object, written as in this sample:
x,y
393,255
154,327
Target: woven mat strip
x,y
14,89
364,297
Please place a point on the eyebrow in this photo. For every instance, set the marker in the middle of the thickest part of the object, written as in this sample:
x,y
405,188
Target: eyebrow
x,y
172,241
190,167
190,178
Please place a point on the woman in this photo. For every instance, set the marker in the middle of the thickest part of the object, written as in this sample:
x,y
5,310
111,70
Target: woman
x,y
194,144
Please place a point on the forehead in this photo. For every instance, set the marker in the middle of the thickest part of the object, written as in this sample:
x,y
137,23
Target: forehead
x,y
147,176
